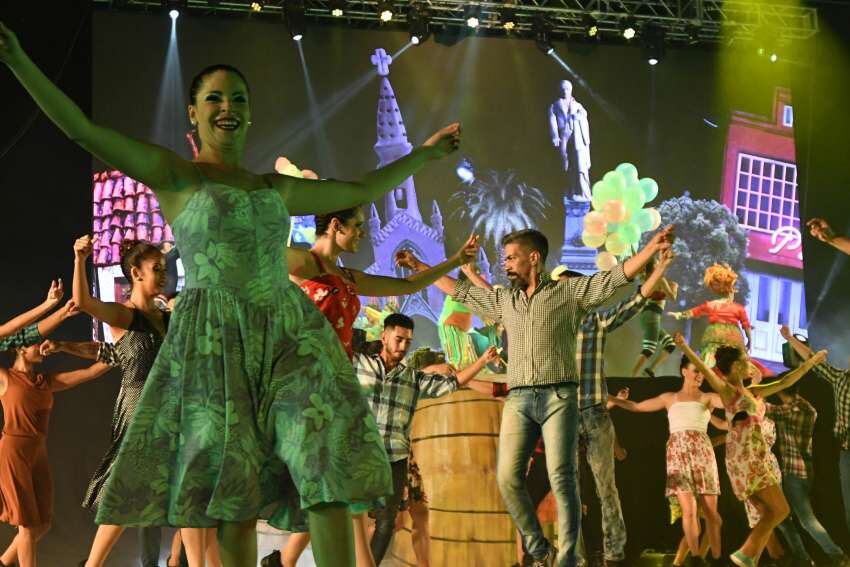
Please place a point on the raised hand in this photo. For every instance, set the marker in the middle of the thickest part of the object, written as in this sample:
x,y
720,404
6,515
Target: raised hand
x,y
83,247
445,141
491,355
49,347
818,357
666,258
56,292
10,49
623,393
785,331
663,239
679,339
407,259
820,229
469,251
70,309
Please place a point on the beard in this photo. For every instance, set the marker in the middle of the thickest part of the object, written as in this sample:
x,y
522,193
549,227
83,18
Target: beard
x,y
516,281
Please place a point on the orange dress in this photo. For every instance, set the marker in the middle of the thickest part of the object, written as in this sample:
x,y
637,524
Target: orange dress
x,y
26,488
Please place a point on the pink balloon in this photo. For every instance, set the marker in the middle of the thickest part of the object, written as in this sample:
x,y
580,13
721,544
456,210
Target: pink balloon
x,y
595,223
614,211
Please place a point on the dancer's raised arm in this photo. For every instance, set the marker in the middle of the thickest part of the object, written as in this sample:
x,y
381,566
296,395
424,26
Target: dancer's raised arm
x,y
790,378
718,384
821,230
54,296
306,196
157,167
111,313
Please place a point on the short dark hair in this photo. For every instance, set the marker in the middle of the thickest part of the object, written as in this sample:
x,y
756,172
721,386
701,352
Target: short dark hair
x,y
398,320
725,356
684,363
132,253
343,216
533,239
198,79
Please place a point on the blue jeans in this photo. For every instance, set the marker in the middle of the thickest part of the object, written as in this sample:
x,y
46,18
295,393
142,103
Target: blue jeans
x,y
796,490
844,471
597,432
550,411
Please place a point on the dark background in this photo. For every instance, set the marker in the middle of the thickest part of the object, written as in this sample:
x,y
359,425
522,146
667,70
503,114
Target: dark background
x,y
500,90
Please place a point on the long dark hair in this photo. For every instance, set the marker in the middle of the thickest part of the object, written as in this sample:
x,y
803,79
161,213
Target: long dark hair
x,y
198,79
725,357
323,222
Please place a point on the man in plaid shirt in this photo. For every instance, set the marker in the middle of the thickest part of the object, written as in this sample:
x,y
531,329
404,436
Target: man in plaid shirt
x,y
542,318
795,424
839,379
392,390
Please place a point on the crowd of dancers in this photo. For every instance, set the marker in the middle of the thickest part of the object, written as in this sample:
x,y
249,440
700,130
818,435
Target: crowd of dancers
x,y
249,398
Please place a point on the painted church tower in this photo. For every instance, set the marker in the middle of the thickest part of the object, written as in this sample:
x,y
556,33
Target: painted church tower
x,y
403,226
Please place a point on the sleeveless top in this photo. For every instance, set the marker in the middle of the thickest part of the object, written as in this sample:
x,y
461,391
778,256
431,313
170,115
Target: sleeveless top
x,y
336,297
688,416
27,404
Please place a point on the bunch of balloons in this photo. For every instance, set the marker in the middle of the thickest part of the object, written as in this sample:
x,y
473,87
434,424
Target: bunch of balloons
x,y
618,217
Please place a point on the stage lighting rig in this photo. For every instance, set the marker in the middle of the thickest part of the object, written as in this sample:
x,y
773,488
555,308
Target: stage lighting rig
x,y
629,29
542,31
418,21
385,10
591,26
293,15
472,14
507,15
257,5
653,44
337,8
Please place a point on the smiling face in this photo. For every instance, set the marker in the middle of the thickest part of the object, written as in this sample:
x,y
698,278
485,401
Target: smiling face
x,y
150,274
692,375
349,233
221,110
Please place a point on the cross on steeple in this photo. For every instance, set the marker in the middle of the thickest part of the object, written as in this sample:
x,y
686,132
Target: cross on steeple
x,y
382,61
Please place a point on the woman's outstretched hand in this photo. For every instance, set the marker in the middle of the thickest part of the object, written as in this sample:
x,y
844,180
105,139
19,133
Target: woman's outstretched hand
x,y
445,141
10,49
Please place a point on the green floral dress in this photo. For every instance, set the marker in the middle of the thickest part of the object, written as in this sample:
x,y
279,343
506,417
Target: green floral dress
x,y
252,409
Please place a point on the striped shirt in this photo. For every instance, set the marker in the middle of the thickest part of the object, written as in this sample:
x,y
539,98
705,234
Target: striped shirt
x,y
393,396
795,426
840,380
27,336
591,337
542,329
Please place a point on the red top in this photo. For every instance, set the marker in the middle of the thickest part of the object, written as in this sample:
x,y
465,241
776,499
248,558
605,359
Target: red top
x,y
27,404
336,298
723,312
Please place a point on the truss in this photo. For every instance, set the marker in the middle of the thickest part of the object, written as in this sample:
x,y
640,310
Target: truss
x,y
693,21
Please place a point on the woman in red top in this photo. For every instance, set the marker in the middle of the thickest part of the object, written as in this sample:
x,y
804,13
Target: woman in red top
x,y
335,290
726,319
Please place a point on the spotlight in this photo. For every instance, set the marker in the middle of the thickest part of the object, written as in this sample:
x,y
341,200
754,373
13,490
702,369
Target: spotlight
x,y
591,26
629,29
693,31
385,10
418,23
653,44
542,31
337,8
471,14
174,7
774,57
257,6
293,15
508,18
174,14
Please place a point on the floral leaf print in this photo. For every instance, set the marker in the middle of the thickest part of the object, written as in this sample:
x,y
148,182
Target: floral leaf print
x,y
206,270
210,342
318,411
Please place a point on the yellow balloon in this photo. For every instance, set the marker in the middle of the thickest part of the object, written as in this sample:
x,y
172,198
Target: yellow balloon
x,y
605,261
592,240
614,244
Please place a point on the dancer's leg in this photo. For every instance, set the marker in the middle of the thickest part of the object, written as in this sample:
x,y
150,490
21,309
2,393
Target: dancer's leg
x,y
681,552
690,521
773,508
26,546
10,556
104,539
213,556
713,523
641,360
362,552
237,544
331,533
195,544
176,547
295,546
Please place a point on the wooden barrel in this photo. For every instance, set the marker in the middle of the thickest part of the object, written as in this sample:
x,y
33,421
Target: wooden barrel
x,y
454,441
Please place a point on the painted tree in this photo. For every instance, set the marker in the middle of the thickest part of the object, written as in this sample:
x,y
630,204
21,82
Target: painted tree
x,y
706,232
497,205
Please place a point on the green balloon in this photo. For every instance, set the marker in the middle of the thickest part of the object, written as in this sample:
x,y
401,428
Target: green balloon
x,y
650,188
633,198
616,180
643,220
629,233
629,171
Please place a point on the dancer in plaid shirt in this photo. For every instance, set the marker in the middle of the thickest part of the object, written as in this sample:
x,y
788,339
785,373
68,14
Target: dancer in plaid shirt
x,y
795,424
392,390
542,318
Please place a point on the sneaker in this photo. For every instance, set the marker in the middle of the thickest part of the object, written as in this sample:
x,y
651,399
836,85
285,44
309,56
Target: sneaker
x,y
742,560
272,560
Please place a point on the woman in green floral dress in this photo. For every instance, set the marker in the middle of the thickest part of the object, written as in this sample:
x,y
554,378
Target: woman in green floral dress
x,y
251,408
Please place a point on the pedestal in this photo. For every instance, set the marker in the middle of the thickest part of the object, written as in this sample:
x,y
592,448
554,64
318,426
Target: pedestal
x,y
574,254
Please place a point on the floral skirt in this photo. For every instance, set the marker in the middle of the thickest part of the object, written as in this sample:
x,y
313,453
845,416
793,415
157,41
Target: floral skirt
x,y
691,467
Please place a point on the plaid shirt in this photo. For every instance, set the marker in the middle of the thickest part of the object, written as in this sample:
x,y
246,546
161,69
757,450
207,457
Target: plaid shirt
x,y
795,425
25,337
591,347
840,380
542,329
393,397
